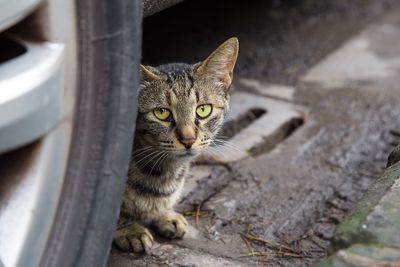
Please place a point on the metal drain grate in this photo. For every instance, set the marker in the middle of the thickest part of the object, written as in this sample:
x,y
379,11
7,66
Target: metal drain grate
x,y
255,125
234,126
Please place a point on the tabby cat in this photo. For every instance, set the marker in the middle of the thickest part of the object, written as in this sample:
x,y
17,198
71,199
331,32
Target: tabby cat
x,y
181,108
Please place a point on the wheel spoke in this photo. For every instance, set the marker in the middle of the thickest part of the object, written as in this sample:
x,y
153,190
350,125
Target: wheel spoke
x,y
12,11
30,95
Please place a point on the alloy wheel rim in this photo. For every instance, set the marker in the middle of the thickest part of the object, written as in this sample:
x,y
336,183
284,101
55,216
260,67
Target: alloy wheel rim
x,y
36,108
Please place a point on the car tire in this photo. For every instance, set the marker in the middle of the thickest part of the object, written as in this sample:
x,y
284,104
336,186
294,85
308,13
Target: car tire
x,y
109,44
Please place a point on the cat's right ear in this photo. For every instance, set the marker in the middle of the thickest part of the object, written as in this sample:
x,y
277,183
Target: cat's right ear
x,y
148,73
220,64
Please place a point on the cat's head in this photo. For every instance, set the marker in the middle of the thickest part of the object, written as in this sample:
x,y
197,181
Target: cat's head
x,y
181,107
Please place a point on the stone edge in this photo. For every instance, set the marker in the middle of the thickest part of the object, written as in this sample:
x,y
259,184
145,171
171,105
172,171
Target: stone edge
x,y
350,233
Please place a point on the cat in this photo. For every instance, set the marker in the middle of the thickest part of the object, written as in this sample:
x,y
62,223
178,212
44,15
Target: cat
x,y
181,109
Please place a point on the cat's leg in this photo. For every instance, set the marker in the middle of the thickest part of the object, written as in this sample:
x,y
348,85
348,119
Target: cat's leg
x,y
171,225
134,237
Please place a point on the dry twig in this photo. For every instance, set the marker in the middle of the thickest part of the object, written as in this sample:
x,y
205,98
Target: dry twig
x,y
282,250
272,244
275,254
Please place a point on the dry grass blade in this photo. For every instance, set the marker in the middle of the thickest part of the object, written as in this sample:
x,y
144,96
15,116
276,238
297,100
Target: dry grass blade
x,y
275,254
201,214
248,245
197,215
273,244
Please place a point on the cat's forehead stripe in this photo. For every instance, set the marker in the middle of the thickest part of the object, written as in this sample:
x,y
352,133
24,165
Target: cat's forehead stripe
x,y
173,98
190,78
180,97
168,97
181,85
170,80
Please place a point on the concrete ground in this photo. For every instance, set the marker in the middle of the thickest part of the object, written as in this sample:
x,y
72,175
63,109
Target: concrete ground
x,y
315,114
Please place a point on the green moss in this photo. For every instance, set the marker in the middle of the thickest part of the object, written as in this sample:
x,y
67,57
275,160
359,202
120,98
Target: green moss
x,y
359,253
326,263
350,231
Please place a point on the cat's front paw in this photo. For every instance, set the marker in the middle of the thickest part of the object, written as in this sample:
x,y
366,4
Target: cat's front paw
x,y
135,237
171,225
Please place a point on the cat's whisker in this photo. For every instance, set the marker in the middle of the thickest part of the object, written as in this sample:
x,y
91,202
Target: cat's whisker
x,y
227,144
212,153
142,151
216,152
146,155
137,154
221,149
221,140
230,143
149,158
155,157
222,137
170,146
226,149
159,159
142,148
164,158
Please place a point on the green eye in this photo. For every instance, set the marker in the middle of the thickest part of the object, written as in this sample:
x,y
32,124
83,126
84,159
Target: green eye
x,y
162,113
203,111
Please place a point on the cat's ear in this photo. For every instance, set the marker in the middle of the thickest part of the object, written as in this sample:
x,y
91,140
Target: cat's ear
x,y
148,73
219,65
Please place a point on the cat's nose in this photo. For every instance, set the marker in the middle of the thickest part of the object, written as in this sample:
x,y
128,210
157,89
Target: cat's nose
x,y
187,143
186,136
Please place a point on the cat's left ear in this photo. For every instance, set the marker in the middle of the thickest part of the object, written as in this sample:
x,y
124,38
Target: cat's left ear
x,y
220,64
148,73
